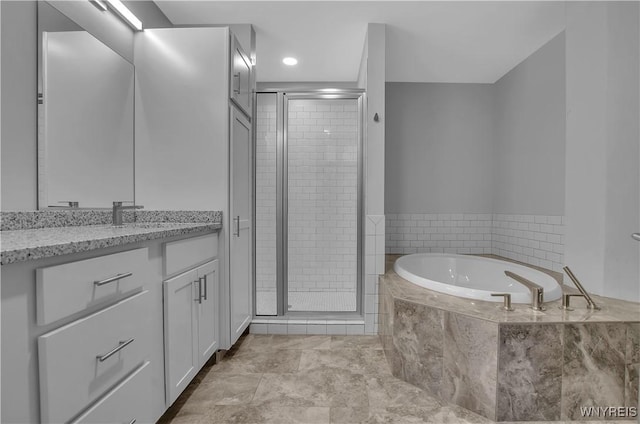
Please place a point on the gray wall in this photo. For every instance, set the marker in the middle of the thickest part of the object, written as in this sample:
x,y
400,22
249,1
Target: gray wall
x,y
19,85
438,155
602,177
529,129
480,148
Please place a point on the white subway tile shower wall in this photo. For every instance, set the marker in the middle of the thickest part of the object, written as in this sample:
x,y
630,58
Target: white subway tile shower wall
x,y
438,233
533,239
322,196
266,205
374,251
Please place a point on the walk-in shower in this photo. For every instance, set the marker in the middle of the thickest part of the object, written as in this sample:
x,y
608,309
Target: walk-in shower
x,y
308,202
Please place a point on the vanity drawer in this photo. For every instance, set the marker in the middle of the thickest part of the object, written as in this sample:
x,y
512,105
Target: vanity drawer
x,y
184,254
80,361
128,401
62,290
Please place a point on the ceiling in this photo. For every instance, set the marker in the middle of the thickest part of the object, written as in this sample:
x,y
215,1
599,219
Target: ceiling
x,y
427,41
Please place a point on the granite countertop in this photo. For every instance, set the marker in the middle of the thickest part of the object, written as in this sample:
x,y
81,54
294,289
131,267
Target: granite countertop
x,y
31,244
612,310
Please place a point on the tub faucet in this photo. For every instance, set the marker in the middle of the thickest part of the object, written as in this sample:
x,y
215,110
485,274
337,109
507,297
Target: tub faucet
x,y
117,212
537,292
565,297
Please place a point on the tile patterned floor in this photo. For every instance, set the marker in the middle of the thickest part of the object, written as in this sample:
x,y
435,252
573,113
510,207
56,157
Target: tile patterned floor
x,y
307,379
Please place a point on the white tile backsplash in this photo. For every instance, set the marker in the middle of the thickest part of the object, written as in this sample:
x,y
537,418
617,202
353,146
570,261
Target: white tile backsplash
x,y
438,233
534,239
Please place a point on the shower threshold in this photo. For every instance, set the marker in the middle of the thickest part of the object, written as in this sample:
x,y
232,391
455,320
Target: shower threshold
x,y
308,301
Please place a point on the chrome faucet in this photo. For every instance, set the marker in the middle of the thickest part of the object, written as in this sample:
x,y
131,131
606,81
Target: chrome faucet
x,y
565,297
117,212
537,292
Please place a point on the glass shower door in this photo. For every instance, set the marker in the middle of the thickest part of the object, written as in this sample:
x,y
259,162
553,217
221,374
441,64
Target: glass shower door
x,y
322,168
308,177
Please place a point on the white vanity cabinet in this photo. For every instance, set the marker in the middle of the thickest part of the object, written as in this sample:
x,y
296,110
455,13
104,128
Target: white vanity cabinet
x,y
81,362
83,334
191,308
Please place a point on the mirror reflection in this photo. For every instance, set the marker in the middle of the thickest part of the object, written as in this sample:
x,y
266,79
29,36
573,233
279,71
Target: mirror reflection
x,y
85,140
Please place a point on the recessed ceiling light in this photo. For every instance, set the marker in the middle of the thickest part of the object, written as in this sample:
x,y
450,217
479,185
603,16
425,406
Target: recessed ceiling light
x,y
290,61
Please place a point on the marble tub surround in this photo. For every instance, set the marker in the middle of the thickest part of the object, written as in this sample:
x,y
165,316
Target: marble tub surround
x,y
516,366
23,245
24,220
469,364
530,377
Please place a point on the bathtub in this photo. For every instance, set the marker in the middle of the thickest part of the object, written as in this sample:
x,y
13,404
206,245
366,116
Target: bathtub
x,y
473,277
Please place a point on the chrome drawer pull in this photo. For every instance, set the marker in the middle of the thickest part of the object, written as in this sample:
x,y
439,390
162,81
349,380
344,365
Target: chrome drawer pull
x,y
205,287
199,299
237,222
133,421
115,350
112,279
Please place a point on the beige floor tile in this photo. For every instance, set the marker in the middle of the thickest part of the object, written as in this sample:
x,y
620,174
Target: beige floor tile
x,y
267,415
302,342
362,361
313,388
258,362
356,342
227,389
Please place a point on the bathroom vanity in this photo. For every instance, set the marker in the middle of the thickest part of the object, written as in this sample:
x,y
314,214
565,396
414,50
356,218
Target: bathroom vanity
x,y
95,319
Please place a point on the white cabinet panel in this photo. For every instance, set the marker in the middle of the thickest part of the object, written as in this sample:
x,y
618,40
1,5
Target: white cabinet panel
x,y
191,325
80,361
208,338
240,84
62,290
240,270
180,326
184,254
126,403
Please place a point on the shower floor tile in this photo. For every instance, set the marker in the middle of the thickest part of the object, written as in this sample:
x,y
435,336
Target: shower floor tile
x,y
309,301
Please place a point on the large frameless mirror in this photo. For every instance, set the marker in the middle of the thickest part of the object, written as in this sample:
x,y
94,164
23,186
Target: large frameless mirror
x,y
85,117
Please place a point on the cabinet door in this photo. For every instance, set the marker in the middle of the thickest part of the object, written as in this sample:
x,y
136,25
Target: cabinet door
x,y
240,84
181,332
208,339
240,269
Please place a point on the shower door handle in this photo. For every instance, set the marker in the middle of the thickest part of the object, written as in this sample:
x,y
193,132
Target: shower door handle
x,y
635,236
236,220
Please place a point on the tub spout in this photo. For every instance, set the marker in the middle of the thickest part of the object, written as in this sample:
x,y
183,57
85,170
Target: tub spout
x,y
537,292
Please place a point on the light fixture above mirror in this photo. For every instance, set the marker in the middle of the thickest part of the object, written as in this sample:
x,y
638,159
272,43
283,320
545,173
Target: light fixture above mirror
x,y
121,10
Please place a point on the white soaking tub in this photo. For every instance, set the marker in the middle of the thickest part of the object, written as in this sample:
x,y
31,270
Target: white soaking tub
x,y
473,277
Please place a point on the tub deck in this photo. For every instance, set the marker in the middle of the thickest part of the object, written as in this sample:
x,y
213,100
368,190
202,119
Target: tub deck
x,y
523,365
